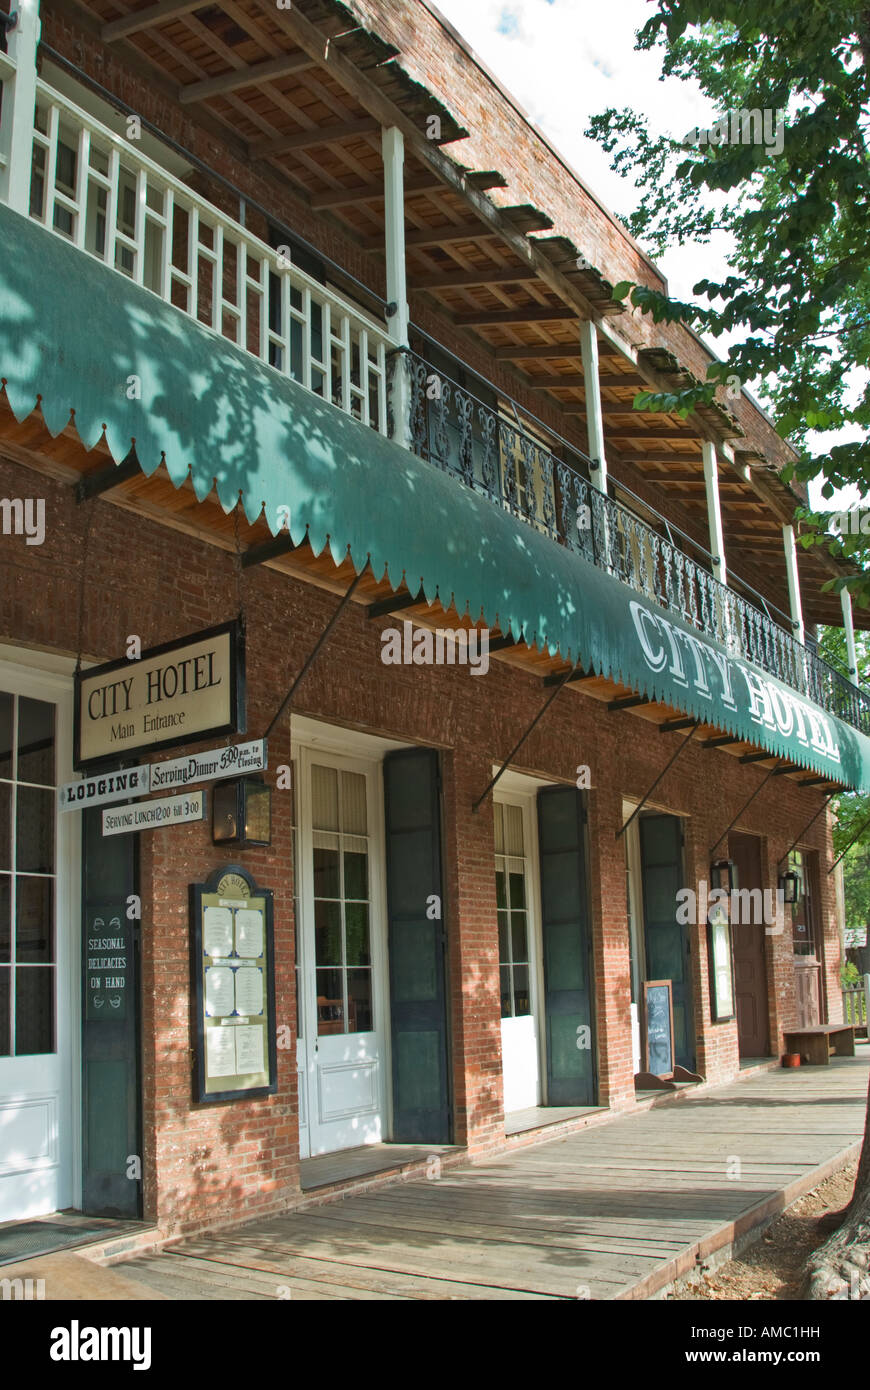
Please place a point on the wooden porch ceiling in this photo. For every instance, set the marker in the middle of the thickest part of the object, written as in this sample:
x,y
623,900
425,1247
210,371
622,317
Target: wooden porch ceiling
x,y
64,458
303,92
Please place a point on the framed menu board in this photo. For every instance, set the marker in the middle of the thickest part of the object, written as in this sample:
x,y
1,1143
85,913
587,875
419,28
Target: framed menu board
x,y
233,987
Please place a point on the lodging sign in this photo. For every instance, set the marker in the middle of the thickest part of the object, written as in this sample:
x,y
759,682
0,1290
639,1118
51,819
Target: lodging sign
x,y
176,693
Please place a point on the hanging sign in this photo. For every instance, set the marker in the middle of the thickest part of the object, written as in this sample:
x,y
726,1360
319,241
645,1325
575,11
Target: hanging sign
x,y
206,767
177,693
99,791
232,973
154,815
855,937
176,772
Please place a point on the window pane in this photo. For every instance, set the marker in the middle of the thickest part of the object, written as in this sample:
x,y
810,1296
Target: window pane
x,y
353,804
327,933
519,942
34,1009
513,830
36,742
327,882
5,911
504,950
5,825
498,826
5,1013
359,1001
506,1010
522,997
34,830
518,890
324,798
5,735
34,925
500,891
356,869
356,918
330,1002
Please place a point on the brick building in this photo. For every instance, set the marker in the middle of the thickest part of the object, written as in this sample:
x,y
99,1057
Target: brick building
x,y
309,350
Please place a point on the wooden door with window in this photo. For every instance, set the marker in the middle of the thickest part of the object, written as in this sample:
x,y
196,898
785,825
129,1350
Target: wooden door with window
x,y
342,928
750,965
805,943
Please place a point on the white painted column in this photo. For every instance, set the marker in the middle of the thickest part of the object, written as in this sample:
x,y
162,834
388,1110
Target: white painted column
x,y
393,148
794,588
19,99
849,628
594,419
714,511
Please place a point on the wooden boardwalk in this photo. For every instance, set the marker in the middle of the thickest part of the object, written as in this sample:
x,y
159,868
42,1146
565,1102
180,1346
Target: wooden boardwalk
x,y
615,1211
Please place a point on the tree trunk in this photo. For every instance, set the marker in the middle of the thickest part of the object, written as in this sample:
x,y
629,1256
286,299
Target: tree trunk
x,y
841,1267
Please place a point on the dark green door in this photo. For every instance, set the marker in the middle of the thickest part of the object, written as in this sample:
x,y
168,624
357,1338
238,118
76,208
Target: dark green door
x,y
567,948
111,1120
667,940
416,939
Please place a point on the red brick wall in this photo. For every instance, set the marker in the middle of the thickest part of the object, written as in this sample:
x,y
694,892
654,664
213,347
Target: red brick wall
x,y
205,1162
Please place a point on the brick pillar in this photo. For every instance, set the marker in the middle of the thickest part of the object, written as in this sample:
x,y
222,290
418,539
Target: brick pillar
x,y
780,952
472,932
611,948
213,1162
717,1051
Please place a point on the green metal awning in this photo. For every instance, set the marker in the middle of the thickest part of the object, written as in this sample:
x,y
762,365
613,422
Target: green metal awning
x,y
83,339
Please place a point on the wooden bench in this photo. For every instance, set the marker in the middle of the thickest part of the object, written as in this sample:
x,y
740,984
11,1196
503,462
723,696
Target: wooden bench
x,y
817,1045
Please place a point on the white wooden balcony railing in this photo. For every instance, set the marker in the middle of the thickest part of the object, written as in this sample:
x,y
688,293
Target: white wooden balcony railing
x,y
99,192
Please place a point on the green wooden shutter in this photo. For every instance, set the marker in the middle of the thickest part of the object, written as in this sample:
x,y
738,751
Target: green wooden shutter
x,y
111,1109
418,1004
667,941
568,988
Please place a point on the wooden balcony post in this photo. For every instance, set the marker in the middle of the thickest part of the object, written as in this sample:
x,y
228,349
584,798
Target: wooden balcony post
x,y
393,147
849,628
714,511
19,102
794,587
594,419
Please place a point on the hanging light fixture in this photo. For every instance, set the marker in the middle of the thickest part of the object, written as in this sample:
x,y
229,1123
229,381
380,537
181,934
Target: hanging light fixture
x,y
242,813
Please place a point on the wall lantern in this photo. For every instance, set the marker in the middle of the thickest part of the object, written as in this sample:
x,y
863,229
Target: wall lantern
x,y
790,887
723,875
242,813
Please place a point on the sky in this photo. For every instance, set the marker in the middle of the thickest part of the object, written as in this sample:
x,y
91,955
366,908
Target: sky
x,y
567,60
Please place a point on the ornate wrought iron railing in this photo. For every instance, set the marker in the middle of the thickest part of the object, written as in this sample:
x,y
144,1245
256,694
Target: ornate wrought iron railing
x,y
458,432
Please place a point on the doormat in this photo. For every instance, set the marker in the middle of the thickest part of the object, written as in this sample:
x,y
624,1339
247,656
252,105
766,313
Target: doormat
x,y
26,1239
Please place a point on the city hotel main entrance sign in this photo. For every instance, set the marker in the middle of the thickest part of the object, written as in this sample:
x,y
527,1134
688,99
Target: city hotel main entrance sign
x,y
177,693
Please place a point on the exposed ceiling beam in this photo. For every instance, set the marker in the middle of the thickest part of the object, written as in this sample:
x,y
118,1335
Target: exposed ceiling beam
x,y
468,279
422,183
548,383
244,77
653,432
147,18
360,85
544,313
434,236
317,135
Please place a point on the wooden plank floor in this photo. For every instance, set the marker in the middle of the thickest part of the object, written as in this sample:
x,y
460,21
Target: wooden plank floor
x,y
601,1214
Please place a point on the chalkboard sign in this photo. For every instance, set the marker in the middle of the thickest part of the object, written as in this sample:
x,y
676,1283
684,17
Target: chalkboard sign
x,y
659,1015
